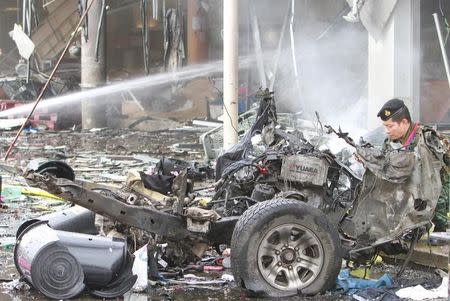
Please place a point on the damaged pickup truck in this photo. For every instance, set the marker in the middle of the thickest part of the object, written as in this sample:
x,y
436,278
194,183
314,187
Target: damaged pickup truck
x,y
290,210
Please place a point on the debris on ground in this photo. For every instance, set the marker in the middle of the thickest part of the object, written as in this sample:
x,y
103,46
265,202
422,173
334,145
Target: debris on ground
x,y
350,284
418,292
140,268
152,177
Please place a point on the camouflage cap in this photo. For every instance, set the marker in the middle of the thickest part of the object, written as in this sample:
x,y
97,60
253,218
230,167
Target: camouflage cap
x,y
390,108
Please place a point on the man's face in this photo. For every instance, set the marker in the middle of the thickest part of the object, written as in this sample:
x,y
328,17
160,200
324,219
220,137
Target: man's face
x,y
396,130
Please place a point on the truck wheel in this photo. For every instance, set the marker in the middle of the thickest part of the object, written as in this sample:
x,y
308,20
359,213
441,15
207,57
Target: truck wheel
x,y
283,247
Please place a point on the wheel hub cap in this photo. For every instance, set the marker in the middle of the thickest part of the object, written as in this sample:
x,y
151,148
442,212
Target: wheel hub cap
x,y
288,256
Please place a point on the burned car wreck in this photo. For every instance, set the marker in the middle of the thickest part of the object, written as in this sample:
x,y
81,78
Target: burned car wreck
x,y
290,210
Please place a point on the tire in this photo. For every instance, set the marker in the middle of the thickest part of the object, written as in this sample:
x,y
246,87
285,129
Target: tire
x,y
282,248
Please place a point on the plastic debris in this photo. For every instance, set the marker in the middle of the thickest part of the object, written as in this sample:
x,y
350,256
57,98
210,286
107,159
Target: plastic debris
x,y
226,252
197,282
7,243
38,192
418,292
204,202
210,268
11,193
364,273
23,42
193,277
227,277
226,263
140,269
16,285
350,284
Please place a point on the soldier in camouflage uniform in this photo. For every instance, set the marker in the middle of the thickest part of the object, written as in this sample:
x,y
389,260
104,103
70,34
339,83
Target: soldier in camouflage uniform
x,y
401,134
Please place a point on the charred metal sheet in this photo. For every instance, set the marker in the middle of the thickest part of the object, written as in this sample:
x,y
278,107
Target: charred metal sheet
x,y
398,193
395,167
58,169
54,31
197,225
199,220
222,230
201,214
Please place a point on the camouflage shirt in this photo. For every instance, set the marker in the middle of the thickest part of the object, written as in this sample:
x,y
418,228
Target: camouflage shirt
x,y
408,143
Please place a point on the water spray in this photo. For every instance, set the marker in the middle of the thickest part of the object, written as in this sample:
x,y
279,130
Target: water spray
x,y
155,80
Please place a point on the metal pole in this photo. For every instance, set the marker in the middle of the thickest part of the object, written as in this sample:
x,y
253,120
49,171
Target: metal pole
x,y
277,55
28,32
230,72
26,29
93,67
291,31
441,42
18,12
164,14
24,10
155,8
294,58
257,46
38,99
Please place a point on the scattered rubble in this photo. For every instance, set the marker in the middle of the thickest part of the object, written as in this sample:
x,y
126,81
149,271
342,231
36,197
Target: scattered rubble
x,y
147,179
